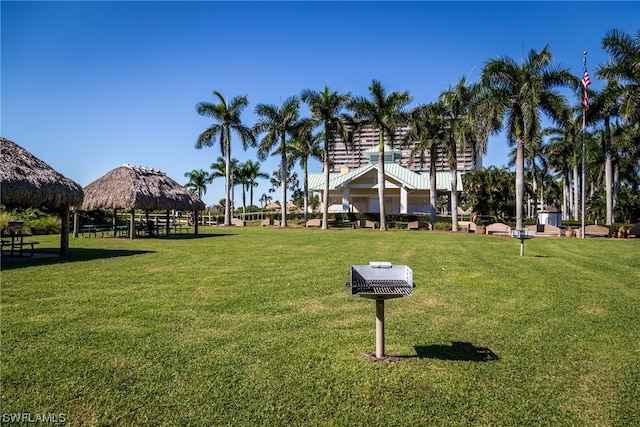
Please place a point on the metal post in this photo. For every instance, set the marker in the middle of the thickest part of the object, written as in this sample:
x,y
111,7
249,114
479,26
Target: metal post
x,y
379,328
521,247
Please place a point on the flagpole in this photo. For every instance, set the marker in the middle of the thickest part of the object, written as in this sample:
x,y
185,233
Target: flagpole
x,y
584,150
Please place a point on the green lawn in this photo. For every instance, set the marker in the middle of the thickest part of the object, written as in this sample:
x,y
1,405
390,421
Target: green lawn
x,y
254,326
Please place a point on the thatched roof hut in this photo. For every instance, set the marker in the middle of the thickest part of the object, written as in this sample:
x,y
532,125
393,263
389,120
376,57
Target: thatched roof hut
x,y
131,187
27,181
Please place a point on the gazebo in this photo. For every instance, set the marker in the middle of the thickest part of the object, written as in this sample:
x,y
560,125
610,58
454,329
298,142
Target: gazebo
x,y
132,187
27,181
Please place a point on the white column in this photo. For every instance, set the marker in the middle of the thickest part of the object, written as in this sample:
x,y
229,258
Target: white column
x,y
345,199
403,200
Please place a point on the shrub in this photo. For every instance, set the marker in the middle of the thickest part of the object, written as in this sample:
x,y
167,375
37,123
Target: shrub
x,y
48,224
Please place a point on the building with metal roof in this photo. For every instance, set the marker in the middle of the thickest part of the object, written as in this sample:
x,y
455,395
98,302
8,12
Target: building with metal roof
x,y
356,190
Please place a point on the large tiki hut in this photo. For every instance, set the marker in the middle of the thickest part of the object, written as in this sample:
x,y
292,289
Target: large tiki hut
x,y
27,181
132,187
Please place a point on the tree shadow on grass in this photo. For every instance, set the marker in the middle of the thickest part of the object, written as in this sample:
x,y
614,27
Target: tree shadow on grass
x,y
462,351
75,254
181,236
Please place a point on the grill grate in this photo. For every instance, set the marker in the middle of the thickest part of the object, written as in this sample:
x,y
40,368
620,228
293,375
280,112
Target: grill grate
x,y
388,287
380,280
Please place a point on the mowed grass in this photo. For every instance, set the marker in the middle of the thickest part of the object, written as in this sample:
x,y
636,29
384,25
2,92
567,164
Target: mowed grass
x,y
254,326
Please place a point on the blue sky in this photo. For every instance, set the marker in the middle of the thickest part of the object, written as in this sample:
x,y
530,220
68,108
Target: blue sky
x,y
89,86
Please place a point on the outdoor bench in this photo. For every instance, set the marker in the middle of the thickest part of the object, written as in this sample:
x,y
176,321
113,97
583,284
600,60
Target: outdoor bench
x,y
101,228
18,245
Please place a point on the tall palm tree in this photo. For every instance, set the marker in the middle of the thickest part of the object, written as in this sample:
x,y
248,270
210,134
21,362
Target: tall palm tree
x,y
264,200
198,180
384,112
426,133
305,145
562,154
604,106
464,128
277,123
219,170
518,94
227,120
241,174
253,172
623,67
326,107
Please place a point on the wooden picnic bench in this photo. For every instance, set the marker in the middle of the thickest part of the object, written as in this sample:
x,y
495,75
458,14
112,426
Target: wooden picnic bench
x,y
17,244
13,238
102,229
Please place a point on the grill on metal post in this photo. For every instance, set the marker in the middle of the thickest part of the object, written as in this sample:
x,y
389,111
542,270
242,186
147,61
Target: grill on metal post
x,y
522,235
381,281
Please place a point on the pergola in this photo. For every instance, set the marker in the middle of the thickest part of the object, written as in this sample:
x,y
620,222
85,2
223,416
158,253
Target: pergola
x,y
27,181
132,187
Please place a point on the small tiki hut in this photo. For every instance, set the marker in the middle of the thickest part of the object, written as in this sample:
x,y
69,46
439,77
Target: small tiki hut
x,y
27,181
132,187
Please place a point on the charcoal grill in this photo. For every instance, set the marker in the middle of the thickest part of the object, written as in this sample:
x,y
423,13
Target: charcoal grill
x,y
522,235
381,281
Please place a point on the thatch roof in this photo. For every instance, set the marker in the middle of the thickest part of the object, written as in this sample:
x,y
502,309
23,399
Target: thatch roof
x,y
132,187
27,181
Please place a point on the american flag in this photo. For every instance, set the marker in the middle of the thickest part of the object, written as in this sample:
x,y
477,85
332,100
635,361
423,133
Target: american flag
x,y
585,86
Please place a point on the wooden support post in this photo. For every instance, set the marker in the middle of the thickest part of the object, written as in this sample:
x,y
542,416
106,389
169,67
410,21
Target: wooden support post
x,y
64,235
76,222
132,224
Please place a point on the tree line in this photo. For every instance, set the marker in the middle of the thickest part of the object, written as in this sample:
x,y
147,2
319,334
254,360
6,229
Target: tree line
x,y
510,97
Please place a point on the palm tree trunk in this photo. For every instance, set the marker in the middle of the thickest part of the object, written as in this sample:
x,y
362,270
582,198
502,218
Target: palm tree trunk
x,y
576,194
381,183
325,194
433,190
519,181
244,201
227,178
454,199
283,222
306,190
608,172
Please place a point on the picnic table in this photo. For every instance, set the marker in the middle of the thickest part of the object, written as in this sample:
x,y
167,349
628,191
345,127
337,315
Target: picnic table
x,y
89,229
15,241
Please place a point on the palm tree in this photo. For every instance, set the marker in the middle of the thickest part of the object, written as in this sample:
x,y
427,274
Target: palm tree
x,y
562,155
241,174
463,129
305,145
603,107
219,170
227,120
623,67
198,180
517,94
426,133
253,172
264,200
326,108
277,123
384,112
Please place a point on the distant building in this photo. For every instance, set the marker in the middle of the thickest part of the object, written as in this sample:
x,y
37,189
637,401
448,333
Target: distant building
x,y
368,138
356,190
